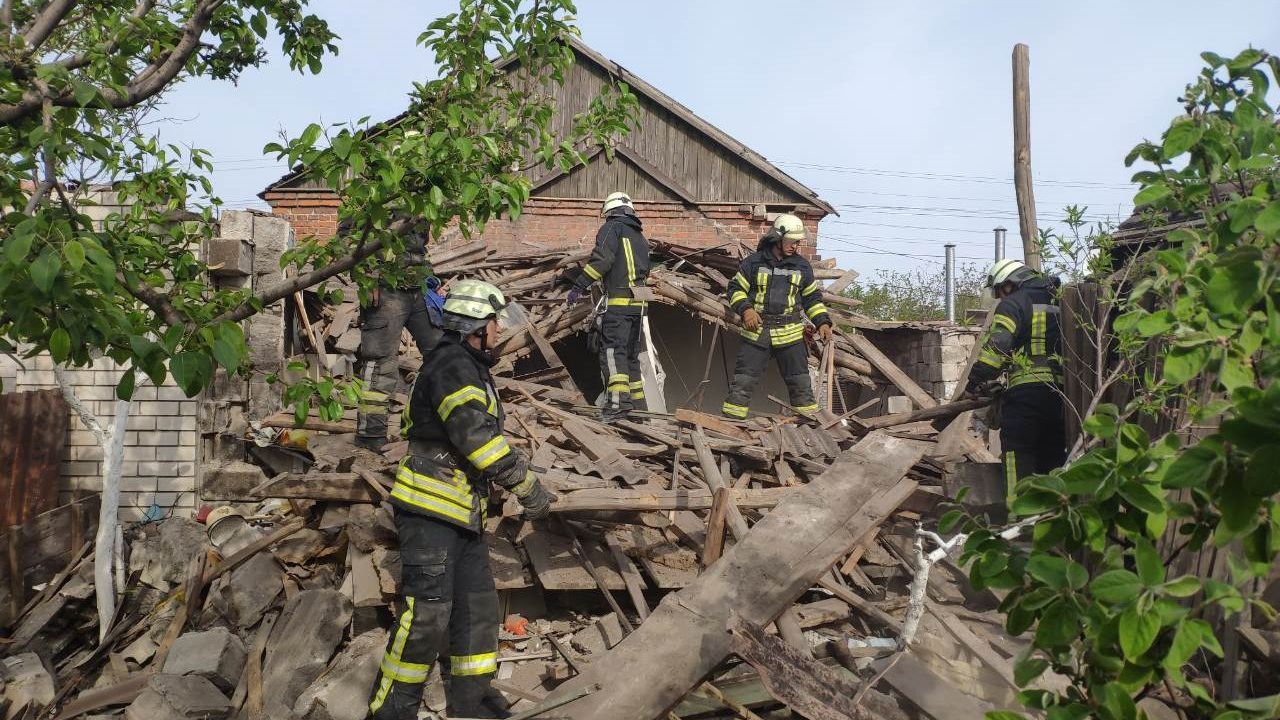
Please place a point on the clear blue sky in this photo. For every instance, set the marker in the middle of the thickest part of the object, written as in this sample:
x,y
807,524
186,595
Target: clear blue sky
x,y
897,113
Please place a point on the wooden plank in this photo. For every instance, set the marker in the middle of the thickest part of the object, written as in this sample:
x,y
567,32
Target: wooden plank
x,y
553,360
661,500
838,285
594,571
892,372
551,555
929,692
630,576
716,527
711,422
822,612
685,638
796,680
930,413
348,486
669,565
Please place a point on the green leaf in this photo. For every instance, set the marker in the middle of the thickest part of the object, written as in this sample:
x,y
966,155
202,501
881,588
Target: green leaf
x,y
124,388
1138,631
1151,194
1262,474
191,370
1150,567
1235,285
1028,669
45,270
1048,569
1116,586
1184,133
342,145
83,92
1183,363
1268,221
437,196
1267,707
60,345
1185,586
1117,703
1004,715
18,244
73,251
1194,467
1059,625
1239,509
258,21
1157,323
1186,640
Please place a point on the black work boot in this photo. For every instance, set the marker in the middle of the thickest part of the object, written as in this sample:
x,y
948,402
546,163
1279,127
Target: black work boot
x,y
371,443
469,697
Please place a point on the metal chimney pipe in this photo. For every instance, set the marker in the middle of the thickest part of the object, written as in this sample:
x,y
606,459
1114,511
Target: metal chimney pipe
x,y
949,300
999,243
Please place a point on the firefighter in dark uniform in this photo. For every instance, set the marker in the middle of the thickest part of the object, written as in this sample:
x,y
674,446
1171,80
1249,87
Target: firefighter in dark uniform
x,y
456,448
1024,343
619,262
773,287
393,305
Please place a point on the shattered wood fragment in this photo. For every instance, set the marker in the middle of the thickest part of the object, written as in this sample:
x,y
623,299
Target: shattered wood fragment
x,y
794,678
659,500
349,486
799,540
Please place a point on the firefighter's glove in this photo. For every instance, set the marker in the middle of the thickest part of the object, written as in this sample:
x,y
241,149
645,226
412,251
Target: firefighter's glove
x,y
536,502
751,319
824,332
989,388
574,296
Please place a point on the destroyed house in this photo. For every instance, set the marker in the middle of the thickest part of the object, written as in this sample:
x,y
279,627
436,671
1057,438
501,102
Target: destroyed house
x,y
692,182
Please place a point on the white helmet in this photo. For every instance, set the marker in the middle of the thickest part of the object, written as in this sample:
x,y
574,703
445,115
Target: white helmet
x,y
789,227
1007,270
615,200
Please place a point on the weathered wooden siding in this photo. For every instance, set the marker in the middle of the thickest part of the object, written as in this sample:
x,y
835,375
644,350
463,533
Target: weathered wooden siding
x,y
33,439
600,177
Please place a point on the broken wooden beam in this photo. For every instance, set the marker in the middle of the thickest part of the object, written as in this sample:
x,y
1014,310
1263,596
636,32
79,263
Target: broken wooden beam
x,y
661,500
758,578
792,678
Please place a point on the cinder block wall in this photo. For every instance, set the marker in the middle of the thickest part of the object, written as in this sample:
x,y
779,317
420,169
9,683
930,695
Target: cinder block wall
x,y
170,439
160,438
934,356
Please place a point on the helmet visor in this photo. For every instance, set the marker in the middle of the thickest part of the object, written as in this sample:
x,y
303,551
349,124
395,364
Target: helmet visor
x,y
512,317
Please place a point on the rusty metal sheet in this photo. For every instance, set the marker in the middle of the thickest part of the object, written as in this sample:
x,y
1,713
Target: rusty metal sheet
x,y
33,439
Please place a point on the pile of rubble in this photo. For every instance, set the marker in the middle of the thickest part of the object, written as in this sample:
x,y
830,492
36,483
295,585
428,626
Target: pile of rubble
x,y
705,538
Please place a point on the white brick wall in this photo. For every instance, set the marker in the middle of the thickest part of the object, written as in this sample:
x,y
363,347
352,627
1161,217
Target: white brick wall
x,y
160,442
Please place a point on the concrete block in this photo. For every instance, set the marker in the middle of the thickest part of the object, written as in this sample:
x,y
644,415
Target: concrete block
x,y
313,623
138,484
955,353
229,257
236,224
175,484
242,595
231,481
80,467
340,693
167,550
86,452
216,655
81,437
171,392
139,452
176,422
179,697
177,452
898,404
142,422
159,469
158,438
26,682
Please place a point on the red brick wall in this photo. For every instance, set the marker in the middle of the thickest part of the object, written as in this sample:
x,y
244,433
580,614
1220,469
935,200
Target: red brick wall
x,y
552,223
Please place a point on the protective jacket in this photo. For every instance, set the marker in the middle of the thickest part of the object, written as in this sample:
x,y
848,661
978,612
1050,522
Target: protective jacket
x,y
619,261
1025,338
778,290
456,447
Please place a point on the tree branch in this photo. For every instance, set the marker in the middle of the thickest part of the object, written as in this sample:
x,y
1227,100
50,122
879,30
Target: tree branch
x,y
150,81
45,22
75,62
88,418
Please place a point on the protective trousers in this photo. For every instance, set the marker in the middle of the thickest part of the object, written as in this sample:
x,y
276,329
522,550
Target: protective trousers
x,y
377,361
449,603
621,339
1032,432
793,363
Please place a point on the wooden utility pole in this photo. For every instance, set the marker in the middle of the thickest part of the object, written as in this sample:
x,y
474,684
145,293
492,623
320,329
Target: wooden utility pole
x,y
1022,156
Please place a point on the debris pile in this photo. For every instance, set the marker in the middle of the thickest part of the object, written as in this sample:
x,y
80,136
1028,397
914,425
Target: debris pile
x,y
759,564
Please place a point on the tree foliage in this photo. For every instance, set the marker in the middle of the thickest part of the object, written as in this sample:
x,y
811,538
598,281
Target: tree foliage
x,y
918,295
1199,320
74,76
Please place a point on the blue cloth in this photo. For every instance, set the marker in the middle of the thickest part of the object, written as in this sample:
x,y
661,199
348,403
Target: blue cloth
x,y
434,301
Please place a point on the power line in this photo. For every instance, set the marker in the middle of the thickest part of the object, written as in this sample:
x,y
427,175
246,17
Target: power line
x,y
1039,201
948,177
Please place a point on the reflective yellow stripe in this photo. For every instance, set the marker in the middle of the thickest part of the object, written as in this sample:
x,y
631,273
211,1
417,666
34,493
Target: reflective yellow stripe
x,y
630,302
637,394
813,288
737,297
413,673
1038,324
793,284
991,357
807,408
430,503
741,280
762,286
732,410
473,664
1006,322
1010,475
1034,375
392,657
373,395
490,452
592,272
815,310
637,384
631,261
453,400
523,487
459,491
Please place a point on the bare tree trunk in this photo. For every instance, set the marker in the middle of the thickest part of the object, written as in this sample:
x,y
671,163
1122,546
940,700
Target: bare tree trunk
x,y
112,442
